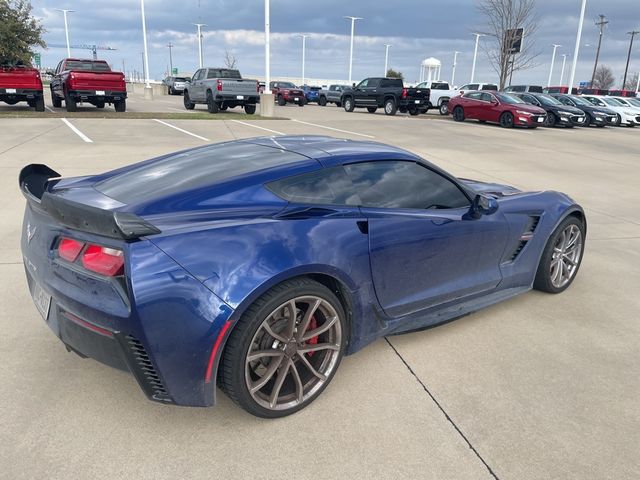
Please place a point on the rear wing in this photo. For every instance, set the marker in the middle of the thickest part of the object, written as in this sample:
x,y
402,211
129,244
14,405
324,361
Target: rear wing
x,y
33,181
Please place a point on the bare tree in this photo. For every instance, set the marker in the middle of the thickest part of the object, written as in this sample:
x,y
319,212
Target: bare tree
x,y
230,59
502,18
603,78
631,83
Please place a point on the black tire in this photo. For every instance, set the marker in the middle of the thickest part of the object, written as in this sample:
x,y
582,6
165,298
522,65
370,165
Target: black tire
x,y
120,105
70,103
186,100
223,108
338,104
348,104
281,101
39,104
543,280
458,114
587,120
550,120
413,111
372,109
322,101
56,100
390,107
618,121
302,102
100,104
212,105
444,108
169,91
249,109
232,371
506,120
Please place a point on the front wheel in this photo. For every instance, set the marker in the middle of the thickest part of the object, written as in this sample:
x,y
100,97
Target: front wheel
x,y
348,104
561,257
551,120
56,100
390,107
372,109
618,121
285,349
186,100
458,114
506,120
281,101
322,101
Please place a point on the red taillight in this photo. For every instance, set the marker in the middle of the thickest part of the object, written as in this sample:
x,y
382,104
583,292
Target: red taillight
x,y
404,93
103,260
69,249
219,85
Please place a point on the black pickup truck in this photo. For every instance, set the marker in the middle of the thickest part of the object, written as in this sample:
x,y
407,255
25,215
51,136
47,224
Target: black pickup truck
x,y
388,93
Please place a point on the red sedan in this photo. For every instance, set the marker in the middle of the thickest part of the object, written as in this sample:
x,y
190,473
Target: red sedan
x,y
496,107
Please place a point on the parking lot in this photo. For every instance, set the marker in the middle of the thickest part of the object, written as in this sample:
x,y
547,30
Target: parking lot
x,y
538,387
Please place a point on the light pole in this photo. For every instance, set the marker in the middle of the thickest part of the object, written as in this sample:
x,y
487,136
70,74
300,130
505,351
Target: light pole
x,y
475,54
266,97
386,58
626,69
553,60
304,47
170,45
353,22
148,91
453,69
200,25
564,61
66,28
572,77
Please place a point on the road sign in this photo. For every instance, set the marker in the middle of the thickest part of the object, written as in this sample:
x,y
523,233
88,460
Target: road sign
x,y
584,84
36,59
513,40
174,71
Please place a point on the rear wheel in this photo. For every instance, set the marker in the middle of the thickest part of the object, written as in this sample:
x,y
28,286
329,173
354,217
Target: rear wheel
x,y
561,257
372,109
120,105
212,105
444,108
390,107
506,120
348,104
458,114
56,100
170,91
413,111
322,101
302,102
70,103
285,349
39,104
249,109
186,100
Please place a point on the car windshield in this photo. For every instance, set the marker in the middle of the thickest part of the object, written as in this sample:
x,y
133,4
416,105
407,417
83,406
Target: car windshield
x,y
315,89
180,79
613,102
286,85
88,66
581,101
547,100
506,98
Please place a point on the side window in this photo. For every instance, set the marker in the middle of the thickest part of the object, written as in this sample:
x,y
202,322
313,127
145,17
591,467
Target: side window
x,y
474,96
59,67
363,84
528,99
195,76
203,73
329,186
403,184
565,100
486,97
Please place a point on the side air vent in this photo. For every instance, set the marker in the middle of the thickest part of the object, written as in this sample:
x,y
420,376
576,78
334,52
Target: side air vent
x,y
145,372
532,224
518,249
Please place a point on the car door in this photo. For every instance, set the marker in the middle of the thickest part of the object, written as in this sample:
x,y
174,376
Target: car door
x,y
364,94
424,249
472,105
196,92
490,109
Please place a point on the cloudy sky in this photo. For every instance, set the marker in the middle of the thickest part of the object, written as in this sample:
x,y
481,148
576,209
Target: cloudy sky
x,y
416,29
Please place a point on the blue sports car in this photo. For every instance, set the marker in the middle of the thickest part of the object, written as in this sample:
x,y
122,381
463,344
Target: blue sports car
x,y
257,264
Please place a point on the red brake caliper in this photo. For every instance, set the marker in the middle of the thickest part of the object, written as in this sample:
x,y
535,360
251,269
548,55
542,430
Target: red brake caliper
x,y
312,326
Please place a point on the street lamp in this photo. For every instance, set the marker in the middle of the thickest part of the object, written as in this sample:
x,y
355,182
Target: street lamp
x,y
475,54
200,25
386,59
553,59
304,47
66,28
353,21
148,91
577,48
564,61
453,70
170,45
266,97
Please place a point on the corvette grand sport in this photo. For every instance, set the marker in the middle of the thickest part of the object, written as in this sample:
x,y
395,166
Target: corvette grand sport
x,y
257,264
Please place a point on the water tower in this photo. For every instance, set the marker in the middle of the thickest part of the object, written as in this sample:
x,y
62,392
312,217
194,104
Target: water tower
x,y
430,69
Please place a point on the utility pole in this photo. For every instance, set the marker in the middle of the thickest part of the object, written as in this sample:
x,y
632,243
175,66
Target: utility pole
x,y
475,54
386,58
600,24
553,59
564,61
353,22
200,25
453,69
626,69
170,45
304,49
572,76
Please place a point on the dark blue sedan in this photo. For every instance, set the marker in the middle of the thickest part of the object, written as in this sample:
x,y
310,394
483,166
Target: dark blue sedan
x,y
257,264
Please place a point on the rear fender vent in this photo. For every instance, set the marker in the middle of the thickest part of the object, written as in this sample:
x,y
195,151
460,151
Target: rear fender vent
x,y
143,369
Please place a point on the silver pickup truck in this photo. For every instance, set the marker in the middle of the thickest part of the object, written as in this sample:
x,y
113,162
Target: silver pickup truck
x,y
219,89
331,95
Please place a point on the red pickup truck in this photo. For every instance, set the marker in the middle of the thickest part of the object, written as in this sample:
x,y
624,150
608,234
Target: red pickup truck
x,y
21,84
91,81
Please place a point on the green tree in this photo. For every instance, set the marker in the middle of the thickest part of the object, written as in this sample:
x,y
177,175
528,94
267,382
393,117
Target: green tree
x,y
391,73
19,32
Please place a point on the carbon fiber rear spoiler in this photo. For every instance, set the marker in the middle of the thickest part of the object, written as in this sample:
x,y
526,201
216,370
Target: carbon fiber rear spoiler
x,y
33,180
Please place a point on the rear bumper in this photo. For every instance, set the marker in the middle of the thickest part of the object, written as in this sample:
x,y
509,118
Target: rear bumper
x,y
233,98
19,94
95,95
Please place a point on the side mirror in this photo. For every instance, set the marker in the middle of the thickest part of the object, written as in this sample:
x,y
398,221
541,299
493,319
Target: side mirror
x,y
483,205
495,102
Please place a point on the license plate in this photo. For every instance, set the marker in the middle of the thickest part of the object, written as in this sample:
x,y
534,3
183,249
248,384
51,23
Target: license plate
x,y
580,119
42,300
417,101
240,97
540,120
295,99
99,92
10,90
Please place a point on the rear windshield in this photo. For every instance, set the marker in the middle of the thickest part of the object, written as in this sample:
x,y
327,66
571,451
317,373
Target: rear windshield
x,y
490,86
87,66
223,73
179,79
439,86
191,170
390,82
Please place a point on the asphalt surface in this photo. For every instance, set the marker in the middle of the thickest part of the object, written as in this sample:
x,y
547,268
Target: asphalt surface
x,y
538,387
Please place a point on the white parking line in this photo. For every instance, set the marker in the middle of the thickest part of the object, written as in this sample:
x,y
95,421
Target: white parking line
x,y
76,131
181,130
334,129
261,128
